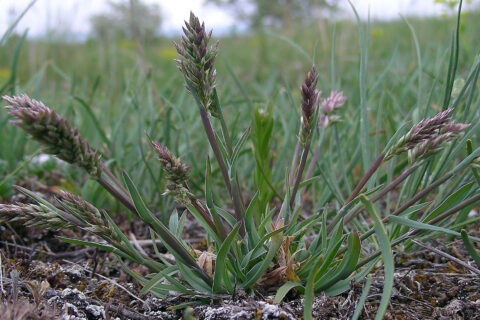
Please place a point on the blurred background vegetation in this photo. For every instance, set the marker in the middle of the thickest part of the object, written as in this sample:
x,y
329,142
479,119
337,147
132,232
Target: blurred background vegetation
x,y
121,82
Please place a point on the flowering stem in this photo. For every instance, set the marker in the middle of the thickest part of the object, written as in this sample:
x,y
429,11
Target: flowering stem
x,y
366,177
226,135
385,190
116,194
213,143
294,163
112,177
412,201
311,167
340,158
218,155
454,209
195,203
301,167
316,154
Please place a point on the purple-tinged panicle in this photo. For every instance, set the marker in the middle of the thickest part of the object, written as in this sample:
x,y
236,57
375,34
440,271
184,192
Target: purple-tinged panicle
x,y
33,215
310,101
325,120
310,95
88,215
435,144
86,210
70,211
176,173
428,137
197,60
334,101
54,132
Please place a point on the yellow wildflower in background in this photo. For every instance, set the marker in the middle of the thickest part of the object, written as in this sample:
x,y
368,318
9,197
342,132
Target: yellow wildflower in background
x,y
168,53
4,74
127,44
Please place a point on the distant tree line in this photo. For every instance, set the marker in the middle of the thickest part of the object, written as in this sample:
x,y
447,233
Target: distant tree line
x,y
141,20
127,19
277,13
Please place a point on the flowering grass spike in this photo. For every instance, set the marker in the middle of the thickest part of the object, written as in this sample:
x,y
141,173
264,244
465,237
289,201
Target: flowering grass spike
x,y
197,62
427,137
54,132
310,101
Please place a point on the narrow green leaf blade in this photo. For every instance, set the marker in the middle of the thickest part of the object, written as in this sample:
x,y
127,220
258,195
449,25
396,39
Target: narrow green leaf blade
x,y
220,262
388,263
470,248
284,289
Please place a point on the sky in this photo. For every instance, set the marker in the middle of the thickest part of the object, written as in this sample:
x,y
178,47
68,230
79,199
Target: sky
x,y
72,16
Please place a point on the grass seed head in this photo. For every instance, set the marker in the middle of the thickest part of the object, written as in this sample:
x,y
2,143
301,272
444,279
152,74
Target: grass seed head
x,y
87,211
310,101
197,60
32,215
335,101
428,137
176,173
54,132
88,215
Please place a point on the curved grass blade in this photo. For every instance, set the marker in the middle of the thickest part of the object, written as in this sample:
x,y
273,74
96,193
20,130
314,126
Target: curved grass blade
x,y
220,231
363,298
239,146
13,73
294,45
19,167
220,262
101,246
256,272
470,248
227,216
348,264
309,289
193,279
167,237
344,285
364,124
475,171
387,255
12,26
159,277
120,234
424,226
260,244
252,234
450,201
203,222
284,289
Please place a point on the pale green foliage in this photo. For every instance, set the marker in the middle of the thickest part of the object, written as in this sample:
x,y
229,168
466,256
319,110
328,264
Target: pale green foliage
x,y
277,13
128,19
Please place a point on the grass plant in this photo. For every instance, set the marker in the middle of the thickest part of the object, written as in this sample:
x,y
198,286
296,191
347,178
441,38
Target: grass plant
x,y
288,201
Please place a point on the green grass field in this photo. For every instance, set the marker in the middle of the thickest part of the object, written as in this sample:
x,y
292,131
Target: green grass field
x,y
102,86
